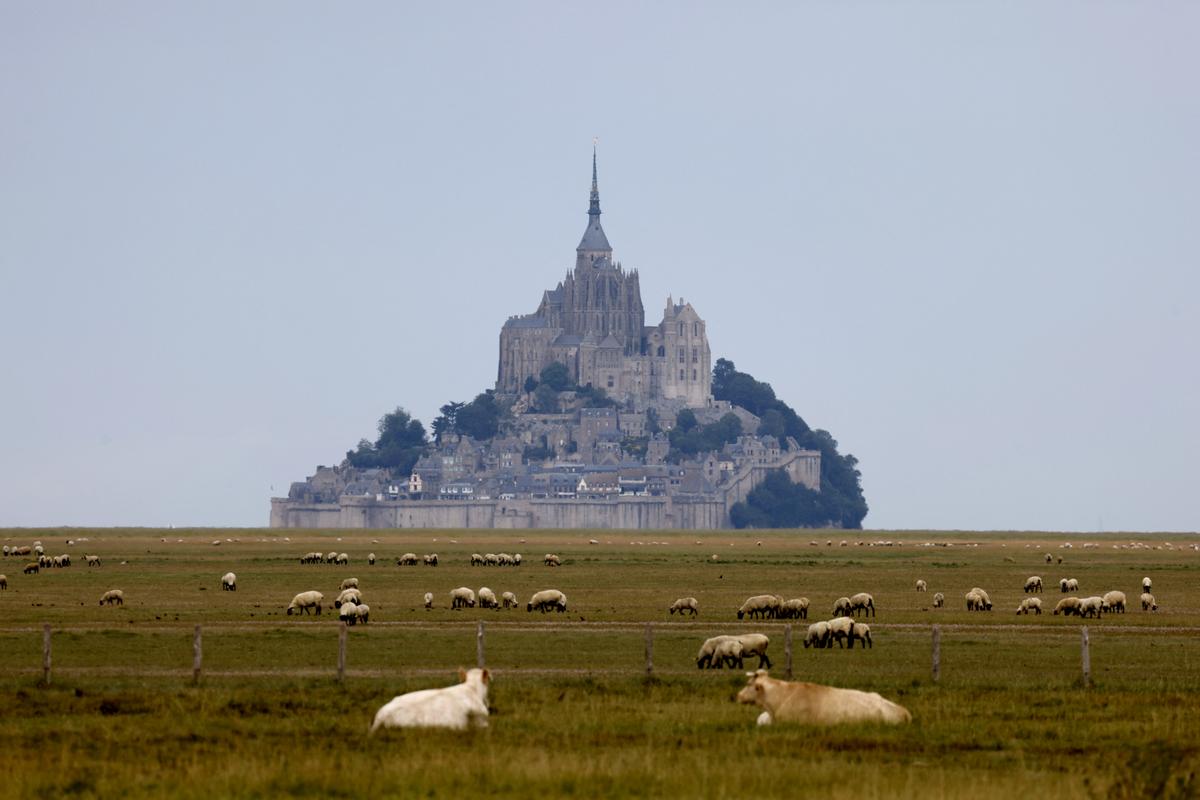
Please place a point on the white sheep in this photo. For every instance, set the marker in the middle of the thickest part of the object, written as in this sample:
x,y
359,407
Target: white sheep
x,y
1146,583
331,557
491,560
229,582
684,604
1067,606
841,629
813,704
862,602
350,595
1030,604
32,568
1113,602
476,560
349,612
363,613
456,707
92,561
547,600
487,598
429,600
939,600
306,602
430,560
3,581
113,597
1091,606
841,607
462,596
1033,584
796,608
728,652
760,605
348,583
517,560
342,558
407,560
861,632
509,600
818,635
1148,603
978,600
1068,585
371,559
922,586
753,644
551,560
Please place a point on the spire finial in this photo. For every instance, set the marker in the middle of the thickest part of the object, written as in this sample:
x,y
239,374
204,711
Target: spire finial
x,y
594,206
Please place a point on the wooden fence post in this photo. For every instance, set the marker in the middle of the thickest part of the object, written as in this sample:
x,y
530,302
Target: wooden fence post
x,y
196,655
46,653
787,651
1087,659
479,645
649,650
341,651
937,653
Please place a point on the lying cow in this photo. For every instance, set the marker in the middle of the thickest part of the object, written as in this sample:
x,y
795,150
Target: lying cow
x,y
813,704
456,707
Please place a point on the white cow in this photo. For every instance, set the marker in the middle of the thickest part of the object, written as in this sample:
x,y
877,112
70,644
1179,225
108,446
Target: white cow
x,y
456,707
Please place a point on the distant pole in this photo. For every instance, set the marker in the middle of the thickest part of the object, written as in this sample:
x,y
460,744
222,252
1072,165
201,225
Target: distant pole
x,y
46,653
196,655
937,653
341,651
787,651
1087,659
479,645
649,650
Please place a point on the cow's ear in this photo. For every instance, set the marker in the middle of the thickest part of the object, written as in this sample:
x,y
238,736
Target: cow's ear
x,y
487,676
462,674
751,674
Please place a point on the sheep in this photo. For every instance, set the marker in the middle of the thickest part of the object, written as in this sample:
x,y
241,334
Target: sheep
x,y
229,582
331,558
348,583
509,600
3,581
504,559
753,644
1147,599
428,600
456,707
1033,604
37,548
305,602
113,597
1049,558
23,550
1067,606
407,560
342,558
462,596
491,560
1091,606
1113,602
430,560
363,613
476,560
348,596
31,568
517,559
547,600
841,607
861,631
728,652
813,704
349,612
796,608
760,605
371,559
685,604
1068,585
818,635
1033,584
1146,583
840,629
551,560
922,586
6,551
939,600
487,598
977,601
862,602
92,561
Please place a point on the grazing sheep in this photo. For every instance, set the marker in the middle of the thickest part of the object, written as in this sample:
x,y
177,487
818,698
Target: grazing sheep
x,y
371,559
1049,558
685,604
504,560
476,560
331,558
6,551
92,561
939,600
509,600
3,581
760,605
1029,604
975,601
922,586
430,560
517,559
840,630
31,568
841,607
348,583
342,558
491,560
813,704
305,602
796,608
37,548
728,652
462,596
547,600
363,612
456,707
487,598
1033,584
429,600
861,632
1068,585
753,644
1146,583
407,560
23,550
862,602
229,582
818,635
1147,599
349,613
1067,606
113,597
1091,606
551,560
348,596
1113,602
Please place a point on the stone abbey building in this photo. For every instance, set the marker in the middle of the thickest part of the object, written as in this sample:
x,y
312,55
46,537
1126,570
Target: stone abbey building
x,y
594,323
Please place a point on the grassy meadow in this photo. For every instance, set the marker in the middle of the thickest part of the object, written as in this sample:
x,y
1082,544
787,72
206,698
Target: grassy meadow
x,y
573,711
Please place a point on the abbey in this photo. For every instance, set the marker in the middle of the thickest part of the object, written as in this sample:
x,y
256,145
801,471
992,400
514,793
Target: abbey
x,y
593,322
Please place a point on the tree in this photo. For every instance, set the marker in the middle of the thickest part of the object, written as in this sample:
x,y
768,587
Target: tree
x,y
401,442
479,419
545,399
685,420
531,383
556,376
445,422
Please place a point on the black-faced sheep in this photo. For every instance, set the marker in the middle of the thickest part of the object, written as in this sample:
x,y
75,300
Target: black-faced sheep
x,y
1068,585
229,582
862,602
31,568
462,597
1033,584
840,630
92,561
476,560
818,635
1067,606
1030,604
509,600
841,607
371,559
1113,602
922,586
1146,583
978,600
1148,603
861,632
430,560
760,605
306,602
342,558
113,597
350,595
796,608
684,604
487,598
547,600
753,644
348,583
331,558
348,613
407,560
1091,606
428,600
363,613
939,600
551,560
3,582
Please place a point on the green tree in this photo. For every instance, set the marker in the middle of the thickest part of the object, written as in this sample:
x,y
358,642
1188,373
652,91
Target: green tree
x,y
556,376
401,442
685,420
545,399
531,383
479,419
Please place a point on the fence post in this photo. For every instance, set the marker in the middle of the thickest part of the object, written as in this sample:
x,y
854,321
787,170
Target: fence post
x,y
1087,659
196,655
479,645
787,651
649,650
46,653
341,651
937,653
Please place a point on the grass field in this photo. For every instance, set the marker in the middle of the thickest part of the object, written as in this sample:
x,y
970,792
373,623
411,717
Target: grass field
x,y
574,713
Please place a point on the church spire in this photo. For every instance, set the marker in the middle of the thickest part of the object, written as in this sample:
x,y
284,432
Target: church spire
x,y
594,207
594,249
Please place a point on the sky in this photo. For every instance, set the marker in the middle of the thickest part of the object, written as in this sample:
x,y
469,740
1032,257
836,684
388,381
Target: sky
x,y
963,238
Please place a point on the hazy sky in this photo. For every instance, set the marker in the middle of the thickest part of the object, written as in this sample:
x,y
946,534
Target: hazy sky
x,y
964,238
